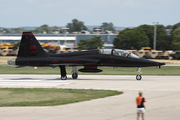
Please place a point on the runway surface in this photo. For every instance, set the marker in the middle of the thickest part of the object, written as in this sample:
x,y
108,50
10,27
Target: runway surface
x,y
162,94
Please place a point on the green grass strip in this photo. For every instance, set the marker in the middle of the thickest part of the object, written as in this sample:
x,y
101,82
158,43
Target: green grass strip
x,y
49,96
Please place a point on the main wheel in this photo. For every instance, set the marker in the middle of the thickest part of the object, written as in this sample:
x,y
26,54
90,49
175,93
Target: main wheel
x,y
63,77
74,75
138,77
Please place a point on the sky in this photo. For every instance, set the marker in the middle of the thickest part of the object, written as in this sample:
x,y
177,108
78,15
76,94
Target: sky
x,y
122,13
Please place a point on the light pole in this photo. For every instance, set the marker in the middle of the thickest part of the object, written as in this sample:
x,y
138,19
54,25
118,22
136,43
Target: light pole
x,y
154,44
65,34
1,35
75,42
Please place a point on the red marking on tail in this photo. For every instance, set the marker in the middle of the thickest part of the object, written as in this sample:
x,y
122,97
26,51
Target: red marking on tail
x,y
27,34
33,51
32,46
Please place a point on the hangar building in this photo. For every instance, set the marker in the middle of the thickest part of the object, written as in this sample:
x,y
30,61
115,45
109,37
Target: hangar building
x,y
70,40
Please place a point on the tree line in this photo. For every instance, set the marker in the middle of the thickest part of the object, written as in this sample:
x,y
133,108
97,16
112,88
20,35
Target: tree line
x,y
143,36
74,26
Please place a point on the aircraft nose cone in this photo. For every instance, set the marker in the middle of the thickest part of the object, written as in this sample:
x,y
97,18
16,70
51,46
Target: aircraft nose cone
x,y
146,62
154,63
159,63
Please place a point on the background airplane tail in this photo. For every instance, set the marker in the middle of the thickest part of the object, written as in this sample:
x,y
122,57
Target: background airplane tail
x,y
30,47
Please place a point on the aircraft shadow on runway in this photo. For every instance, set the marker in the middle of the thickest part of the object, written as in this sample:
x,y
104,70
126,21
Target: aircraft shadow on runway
x,y
80,79
23,79
107,79
43,79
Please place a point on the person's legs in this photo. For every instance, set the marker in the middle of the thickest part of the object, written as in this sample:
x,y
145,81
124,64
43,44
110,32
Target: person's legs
x,y
138,116
142,116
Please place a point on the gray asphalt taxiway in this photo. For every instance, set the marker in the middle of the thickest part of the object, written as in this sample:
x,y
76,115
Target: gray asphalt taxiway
x,y
162,94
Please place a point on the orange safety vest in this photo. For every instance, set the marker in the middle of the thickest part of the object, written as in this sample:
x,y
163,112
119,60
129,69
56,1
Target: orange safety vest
x,y
139,100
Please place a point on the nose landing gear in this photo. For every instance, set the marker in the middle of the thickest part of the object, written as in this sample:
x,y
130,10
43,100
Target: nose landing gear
x,y
75,72
138,77
74,75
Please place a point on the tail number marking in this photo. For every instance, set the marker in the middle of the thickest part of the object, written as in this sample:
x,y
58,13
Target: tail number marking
x,y
32,46
33,51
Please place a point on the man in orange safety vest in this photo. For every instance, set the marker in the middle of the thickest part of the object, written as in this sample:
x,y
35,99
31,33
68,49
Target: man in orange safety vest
x,y
140,105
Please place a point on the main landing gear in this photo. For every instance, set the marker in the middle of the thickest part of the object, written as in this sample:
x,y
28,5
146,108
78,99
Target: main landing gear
x,y
63,72
138,77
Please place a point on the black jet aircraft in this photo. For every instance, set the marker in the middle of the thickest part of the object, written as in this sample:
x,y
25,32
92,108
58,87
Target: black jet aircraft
x,y
32,54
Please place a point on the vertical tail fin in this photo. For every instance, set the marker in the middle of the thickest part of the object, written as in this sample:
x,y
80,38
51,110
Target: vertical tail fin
x,y
30,47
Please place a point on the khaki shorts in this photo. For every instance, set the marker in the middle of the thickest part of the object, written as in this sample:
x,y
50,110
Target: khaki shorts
x,y
140,110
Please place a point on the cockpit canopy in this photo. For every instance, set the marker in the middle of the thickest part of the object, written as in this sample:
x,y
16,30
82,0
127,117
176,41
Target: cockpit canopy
x,y
117,52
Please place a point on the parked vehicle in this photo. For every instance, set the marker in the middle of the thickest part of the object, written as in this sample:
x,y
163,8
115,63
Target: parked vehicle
x,y
158,54
175,55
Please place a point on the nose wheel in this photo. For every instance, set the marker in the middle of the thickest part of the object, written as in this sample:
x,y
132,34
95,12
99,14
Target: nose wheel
x,y
75,72
139,77
74,75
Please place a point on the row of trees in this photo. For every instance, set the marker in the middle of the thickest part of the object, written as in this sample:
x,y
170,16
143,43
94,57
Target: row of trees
x,y
143,36
74,26
93,43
